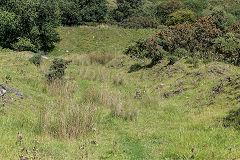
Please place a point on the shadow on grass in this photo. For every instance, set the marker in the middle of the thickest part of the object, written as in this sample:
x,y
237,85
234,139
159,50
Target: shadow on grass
x,y
138,67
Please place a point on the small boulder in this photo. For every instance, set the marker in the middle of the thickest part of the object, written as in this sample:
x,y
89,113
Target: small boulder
x,y
160,86
2,92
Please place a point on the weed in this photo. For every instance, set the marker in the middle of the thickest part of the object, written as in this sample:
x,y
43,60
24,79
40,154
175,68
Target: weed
x,y
57,69
118,80
67,120
36,59
25,152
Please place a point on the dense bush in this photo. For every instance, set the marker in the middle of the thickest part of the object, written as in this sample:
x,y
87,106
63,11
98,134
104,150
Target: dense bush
x,y
235,29
208,37
180,17
147,49
197,6
165,8
139,22
28,24
127,8
75,12
228,48
56,70
36,59
9,28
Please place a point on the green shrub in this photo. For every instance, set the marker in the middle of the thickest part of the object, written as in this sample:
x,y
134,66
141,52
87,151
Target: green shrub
x,y
181,52
28,24
147,49
36,59
139,22
197,6
172,60
56,70
227,48
9,28
127,8
165,8
235,29
179,39
75,12
180,17
205,32
24,44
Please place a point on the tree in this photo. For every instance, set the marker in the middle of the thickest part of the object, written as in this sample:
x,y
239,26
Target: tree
x,y
30,22
127,8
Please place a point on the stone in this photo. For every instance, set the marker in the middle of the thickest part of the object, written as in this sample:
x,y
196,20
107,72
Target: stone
x,y
19,94
44,57
198,73
2,92
5,87
176,63
160,86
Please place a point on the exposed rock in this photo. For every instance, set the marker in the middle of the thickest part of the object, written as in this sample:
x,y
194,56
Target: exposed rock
x,y
198,73
138,95
5,88
160,86
176,63
19,94
44,57
2,92
166,95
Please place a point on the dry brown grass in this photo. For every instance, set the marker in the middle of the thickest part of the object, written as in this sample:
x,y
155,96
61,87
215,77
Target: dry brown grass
x,y
67,119
118,80
89,59
101,58
99,74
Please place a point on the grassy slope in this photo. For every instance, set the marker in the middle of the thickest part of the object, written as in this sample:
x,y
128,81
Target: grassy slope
x,y
101,39
164,128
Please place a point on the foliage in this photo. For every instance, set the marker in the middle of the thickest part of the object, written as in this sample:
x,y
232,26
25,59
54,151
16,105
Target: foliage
x,y
228,48
127,8
24,44
197,6
139,22
147,49
180,17
9,28
181,52
235,29
57,69
202,37
75,12
165,8
36,59
172,60
27,24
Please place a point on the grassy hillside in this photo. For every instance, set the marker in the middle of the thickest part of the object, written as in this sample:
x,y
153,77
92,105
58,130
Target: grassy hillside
x,y
112,107
101,39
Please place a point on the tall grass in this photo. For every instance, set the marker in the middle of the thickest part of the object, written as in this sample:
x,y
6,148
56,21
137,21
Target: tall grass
x,y
67,120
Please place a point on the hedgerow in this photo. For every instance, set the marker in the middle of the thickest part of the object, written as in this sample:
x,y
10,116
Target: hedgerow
x,y
208,36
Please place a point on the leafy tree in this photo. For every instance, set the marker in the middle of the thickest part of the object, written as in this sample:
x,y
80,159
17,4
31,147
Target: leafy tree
x,y
180,17
165,8
75,12
29,22
127,8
